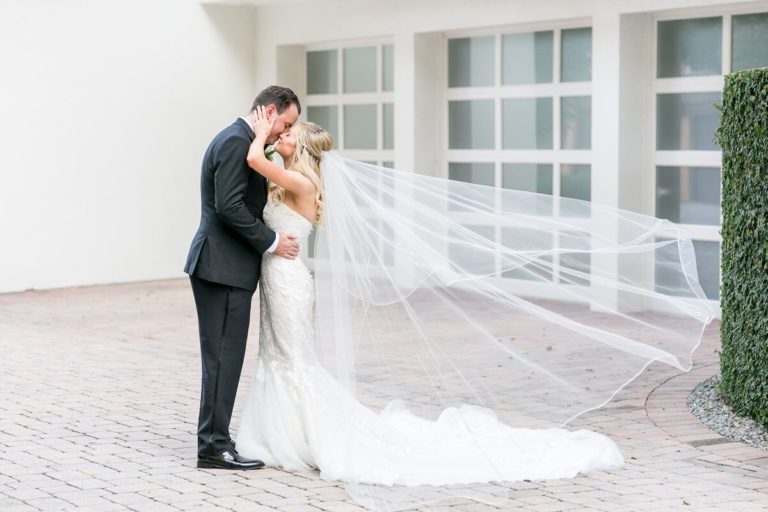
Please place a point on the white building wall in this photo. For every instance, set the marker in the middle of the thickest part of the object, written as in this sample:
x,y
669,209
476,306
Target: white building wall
x,y
106,109
622,41
623,71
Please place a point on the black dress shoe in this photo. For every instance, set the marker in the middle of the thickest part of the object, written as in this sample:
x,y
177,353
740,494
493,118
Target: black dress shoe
x,y
228,459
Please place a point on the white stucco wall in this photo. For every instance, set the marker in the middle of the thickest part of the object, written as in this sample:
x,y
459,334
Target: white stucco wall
x,y
105,111
106,108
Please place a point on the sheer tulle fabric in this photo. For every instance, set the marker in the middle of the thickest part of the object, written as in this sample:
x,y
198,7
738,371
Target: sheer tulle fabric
x,y
482,313
297,415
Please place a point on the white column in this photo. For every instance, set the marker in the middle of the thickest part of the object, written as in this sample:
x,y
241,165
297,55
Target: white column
x,y
292,70
621,169
419,104
405,100
429,82
605,142
636,169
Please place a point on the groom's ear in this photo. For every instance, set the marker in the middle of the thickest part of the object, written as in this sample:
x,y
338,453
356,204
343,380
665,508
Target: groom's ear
x,y
271,110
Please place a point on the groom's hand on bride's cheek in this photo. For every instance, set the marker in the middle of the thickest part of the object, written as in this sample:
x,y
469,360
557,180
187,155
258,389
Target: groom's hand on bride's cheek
x,y
287,247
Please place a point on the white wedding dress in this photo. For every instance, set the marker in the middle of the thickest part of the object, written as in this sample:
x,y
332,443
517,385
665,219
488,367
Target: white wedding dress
x,y
299,417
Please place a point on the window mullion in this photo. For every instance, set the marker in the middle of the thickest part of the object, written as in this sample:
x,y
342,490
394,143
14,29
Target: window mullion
x,y
727,43
340,109
379,126
556,56
556,129
498,65
379,68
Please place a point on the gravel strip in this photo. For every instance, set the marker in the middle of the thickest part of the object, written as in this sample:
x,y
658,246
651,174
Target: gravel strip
x,y
707,406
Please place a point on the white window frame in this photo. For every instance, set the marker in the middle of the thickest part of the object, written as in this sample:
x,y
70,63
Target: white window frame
x,y
340,99
694,84
556,157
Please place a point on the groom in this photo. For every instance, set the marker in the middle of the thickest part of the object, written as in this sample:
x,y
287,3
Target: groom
x,y
224,266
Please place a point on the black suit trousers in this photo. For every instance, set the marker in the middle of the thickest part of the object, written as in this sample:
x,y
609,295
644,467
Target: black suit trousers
x,y
223,315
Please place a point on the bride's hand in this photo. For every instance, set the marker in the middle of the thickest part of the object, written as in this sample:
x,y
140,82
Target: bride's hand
x,y
262,124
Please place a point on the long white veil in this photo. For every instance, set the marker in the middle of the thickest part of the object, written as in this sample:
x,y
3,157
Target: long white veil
x,y
438,293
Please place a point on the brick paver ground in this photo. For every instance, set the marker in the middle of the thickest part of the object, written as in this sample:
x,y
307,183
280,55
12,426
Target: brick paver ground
x,y
99,392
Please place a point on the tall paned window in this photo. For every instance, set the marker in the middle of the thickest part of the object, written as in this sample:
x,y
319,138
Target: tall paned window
x,y
350,93
519,114
692,55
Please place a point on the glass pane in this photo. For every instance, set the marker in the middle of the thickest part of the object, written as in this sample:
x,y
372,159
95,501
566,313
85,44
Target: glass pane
x,y
707,266
388,165
470,124
388,71
750,41
577,262
469,260
527,58
576,124
327,117
322,72
690,47
527,177
478,173
471,61
360,69
526,123
687,121
311,244
388,114
575,183
540,266
576,48
360,127
688,195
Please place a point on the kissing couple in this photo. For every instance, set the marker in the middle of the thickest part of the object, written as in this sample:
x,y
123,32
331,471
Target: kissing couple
x,y
386,240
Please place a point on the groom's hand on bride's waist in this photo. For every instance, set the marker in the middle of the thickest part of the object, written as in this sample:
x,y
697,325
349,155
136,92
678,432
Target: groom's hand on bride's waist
x,y
287,246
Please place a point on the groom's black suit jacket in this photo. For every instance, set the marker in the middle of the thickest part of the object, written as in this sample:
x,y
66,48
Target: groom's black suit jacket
x,y
232,237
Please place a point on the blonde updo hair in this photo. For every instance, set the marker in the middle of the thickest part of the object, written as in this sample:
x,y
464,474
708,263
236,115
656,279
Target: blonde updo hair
x,y
311,141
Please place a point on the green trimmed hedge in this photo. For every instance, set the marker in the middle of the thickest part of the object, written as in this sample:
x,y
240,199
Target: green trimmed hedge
x,y
743,136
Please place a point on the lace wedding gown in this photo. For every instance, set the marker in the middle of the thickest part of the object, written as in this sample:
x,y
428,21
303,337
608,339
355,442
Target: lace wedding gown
x,y
298,416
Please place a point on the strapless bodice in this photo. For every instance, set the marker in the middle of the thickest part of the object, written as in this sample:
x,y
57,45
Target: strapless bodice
x,y
281,218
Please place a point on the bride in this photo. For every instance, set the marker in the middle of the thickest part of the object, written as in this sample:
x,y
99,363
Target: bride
x,y
304,410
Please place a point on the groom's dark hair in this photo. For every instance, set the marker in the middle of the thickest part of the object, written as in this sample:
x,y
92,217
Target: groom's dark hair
x,y
282,97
